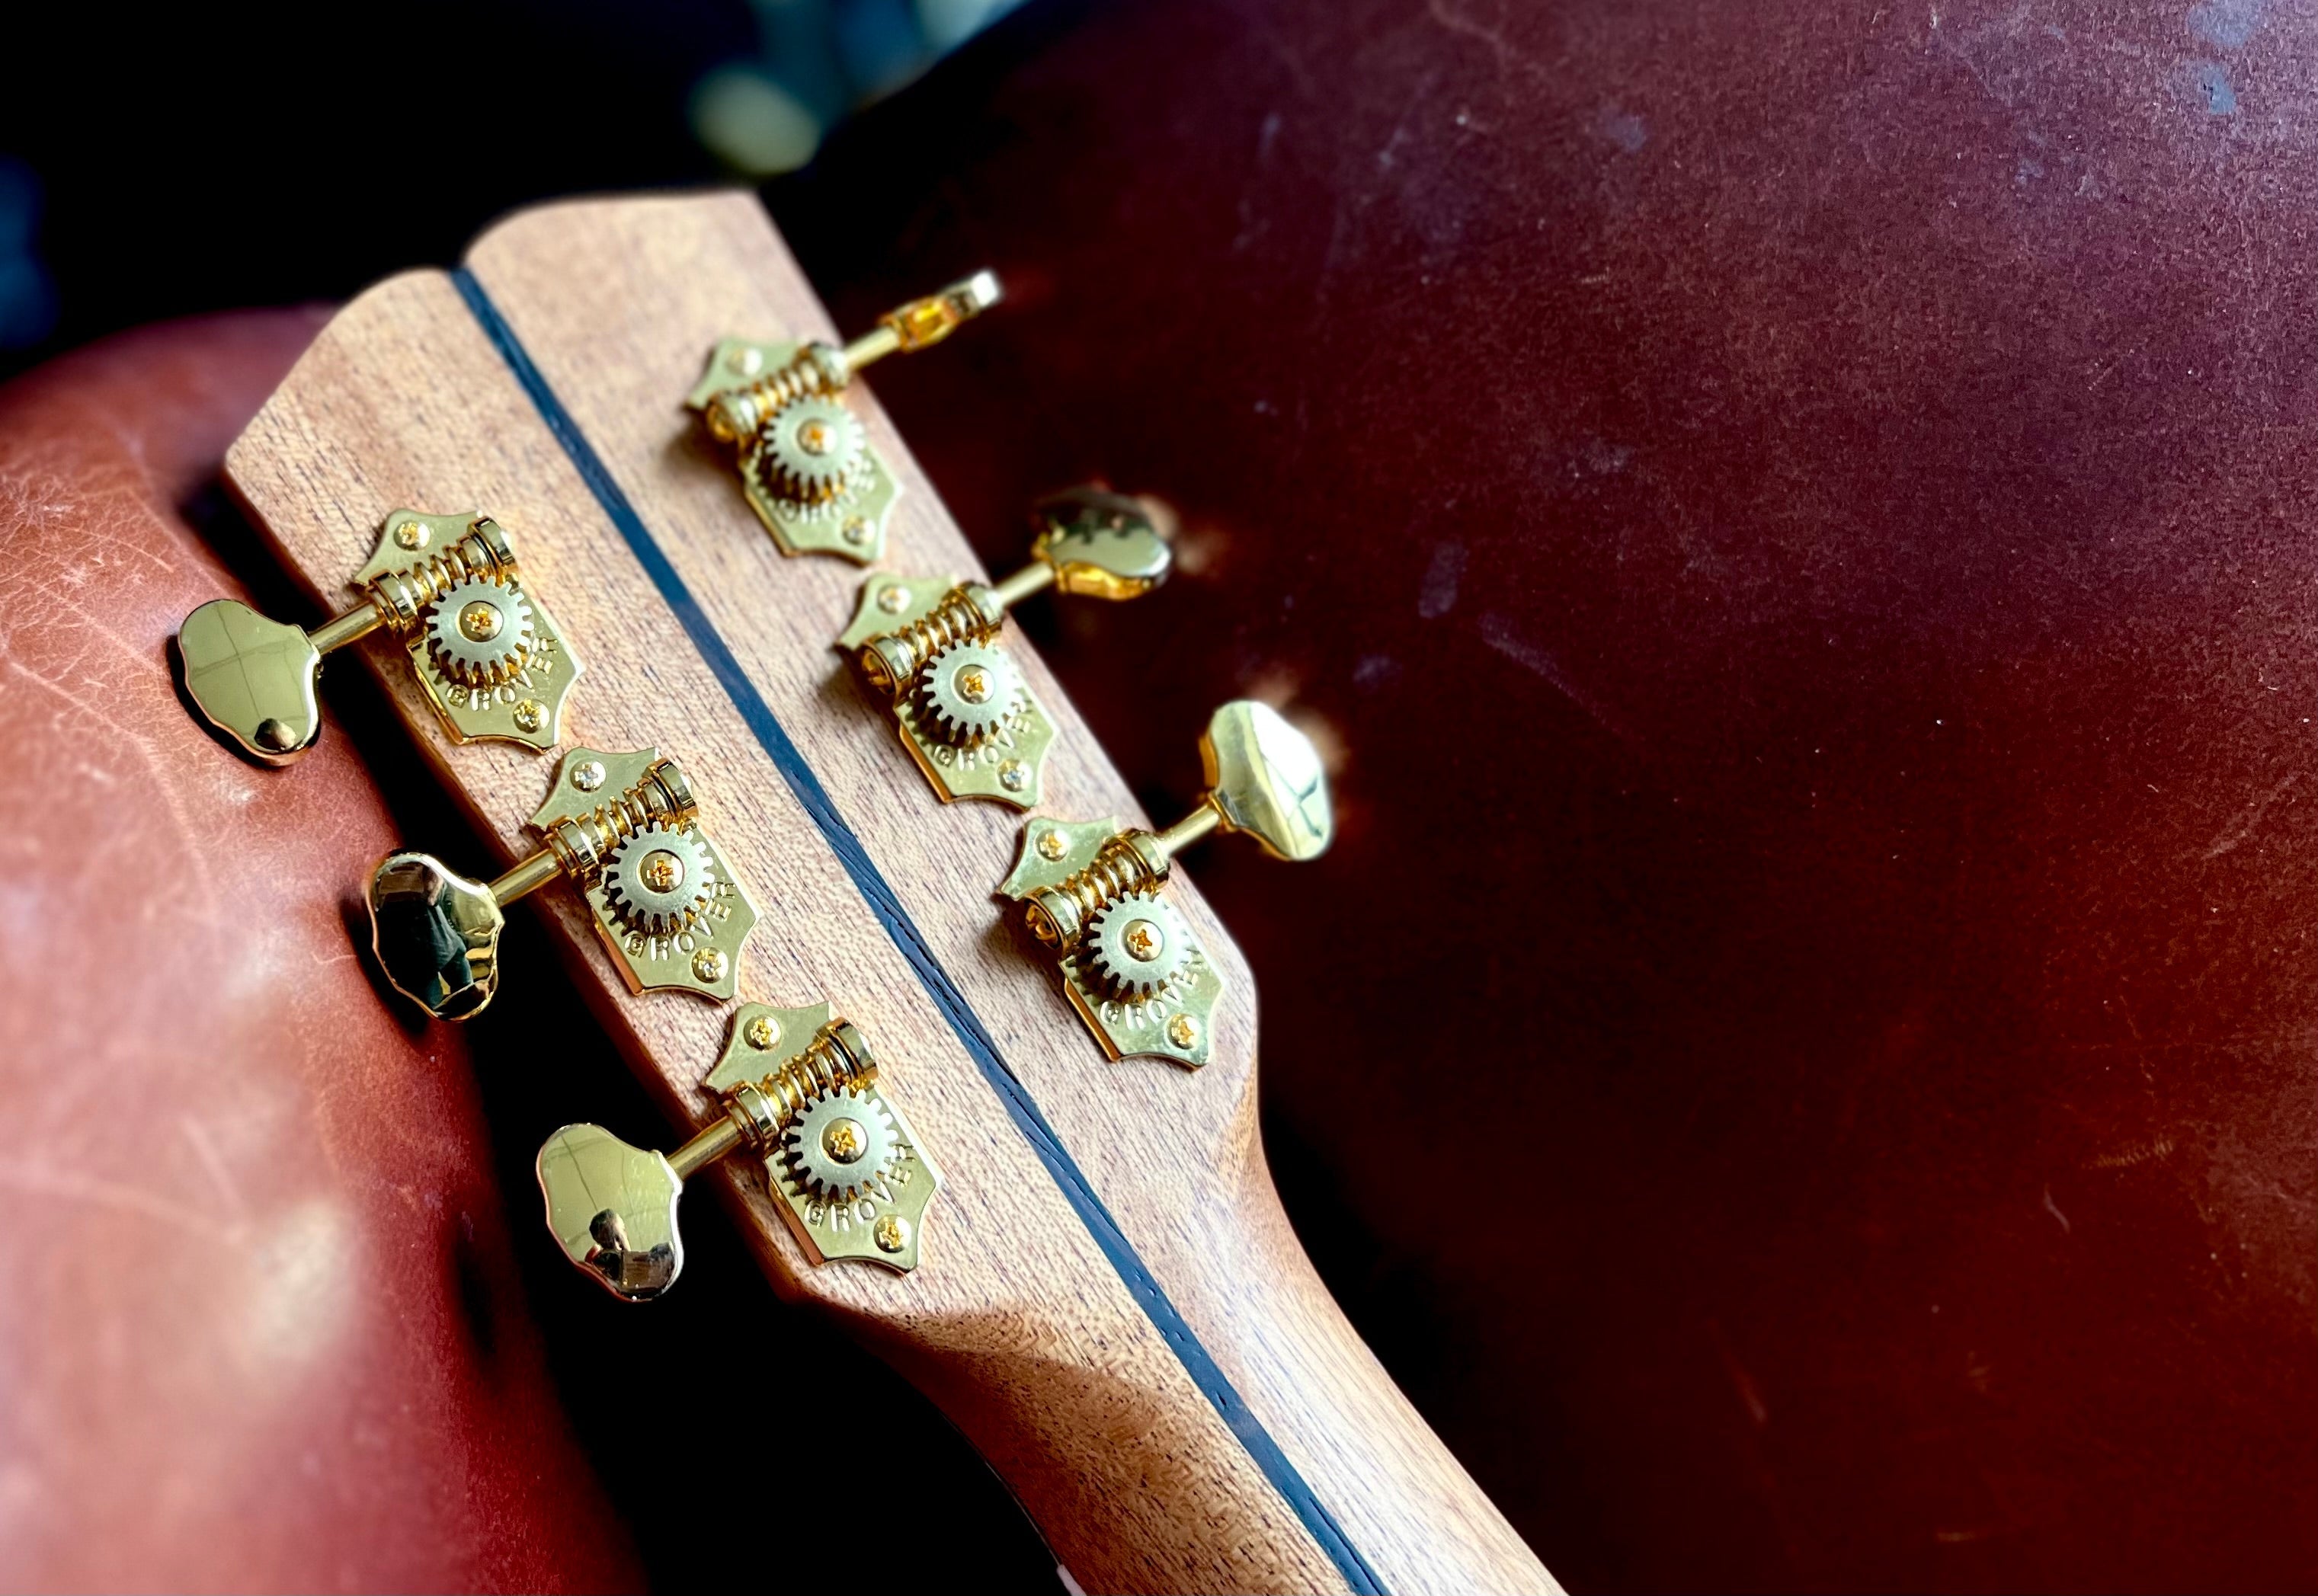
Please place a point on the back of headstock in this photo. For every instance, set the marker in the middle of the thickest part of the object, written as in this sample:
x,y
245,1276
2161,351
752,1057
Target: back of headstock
x,y
1108,1298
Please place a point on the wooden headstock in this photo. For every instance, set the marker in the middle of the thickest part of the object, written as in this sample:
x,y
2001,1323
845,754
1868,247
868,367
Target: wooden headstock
x,y
1111,1304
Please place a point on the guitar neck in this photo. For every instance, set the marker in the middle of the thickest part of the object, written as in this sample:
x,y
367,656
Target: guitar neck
x,y
1111,1303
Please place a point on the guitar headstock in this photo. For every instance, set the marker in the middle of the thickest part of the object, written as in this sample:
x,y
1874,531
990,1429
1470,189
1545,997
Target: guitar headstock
x,y
1105,1227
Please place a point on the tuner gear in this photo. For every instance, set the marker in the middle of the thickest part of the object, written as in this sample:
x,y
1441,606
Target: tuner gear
x,y
479,632
968,692
811,451
658,880
1135,945
839,1144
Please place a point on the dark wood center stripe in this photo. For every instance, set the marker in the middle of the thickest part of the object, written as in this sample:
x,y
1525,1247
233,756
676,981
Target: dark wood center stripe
x,y
879,895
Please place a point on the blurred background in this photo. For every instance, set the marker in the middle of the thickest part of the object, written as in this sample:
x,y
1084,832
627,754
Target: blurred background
x,y
189,159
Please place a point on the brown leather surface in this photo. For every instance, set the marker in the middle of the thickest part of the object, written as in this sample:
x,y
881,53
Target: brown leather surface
x,y
260,1330
1798,516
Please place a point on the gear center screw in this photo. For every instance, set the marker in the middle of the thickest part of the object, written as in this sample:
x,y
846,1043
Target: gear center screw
x,y
481,621
663,872
843,1141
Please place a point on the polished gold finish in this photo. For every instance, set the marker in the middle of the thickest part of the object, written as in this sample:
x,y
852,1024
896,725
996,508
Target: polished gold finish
x,y
930,645
487,653
1188,831
710,1145
1091,890
340,630
662,899
851,1179
806,465
528,876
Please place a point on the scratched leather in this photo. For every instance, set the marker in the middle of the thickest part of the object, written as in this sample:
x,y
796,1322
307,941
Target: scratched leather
x,y
1799,515
259,1331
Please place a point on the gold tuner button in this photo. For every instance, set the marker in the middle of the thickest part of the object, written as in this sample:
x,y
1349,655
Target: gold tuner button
x,y
800,1091
1094,890
966,713
252,678
806,465
488,656
622,828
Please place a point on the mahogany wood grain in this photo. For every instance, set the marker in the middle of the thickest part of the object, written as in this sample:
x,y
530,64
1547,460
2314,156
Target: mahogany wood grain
x,y
1019,1324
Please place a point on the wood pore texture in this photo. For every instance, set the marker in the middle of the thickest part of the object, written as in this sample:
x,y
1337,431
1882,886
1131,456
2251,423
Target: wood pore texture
x,y
1017,1323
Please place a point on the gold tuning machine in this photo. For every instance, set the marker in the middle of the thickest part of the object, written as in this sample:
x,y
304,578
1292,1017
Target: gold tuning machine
x,y
622,828
966,713
488,654
1092,890
806,461
798,1090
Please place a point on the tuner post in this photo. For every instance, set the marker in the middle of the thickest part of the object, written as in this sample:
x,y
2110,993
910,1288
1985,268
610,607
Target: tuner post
x,y
488,656
623,828
1094,890
806,465
965,711
798,1090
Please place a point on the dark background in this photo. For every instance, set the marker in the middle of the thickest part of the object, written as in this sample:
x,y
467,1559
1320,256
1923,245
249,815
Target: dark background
x,y
1796,517
157,161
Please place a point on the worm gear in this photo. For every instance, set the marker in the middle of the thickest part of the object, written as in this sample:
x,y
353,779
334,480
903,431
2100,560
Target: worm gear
x,y
811,451
658,880
968,692
839,1144
479,632
1135,945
